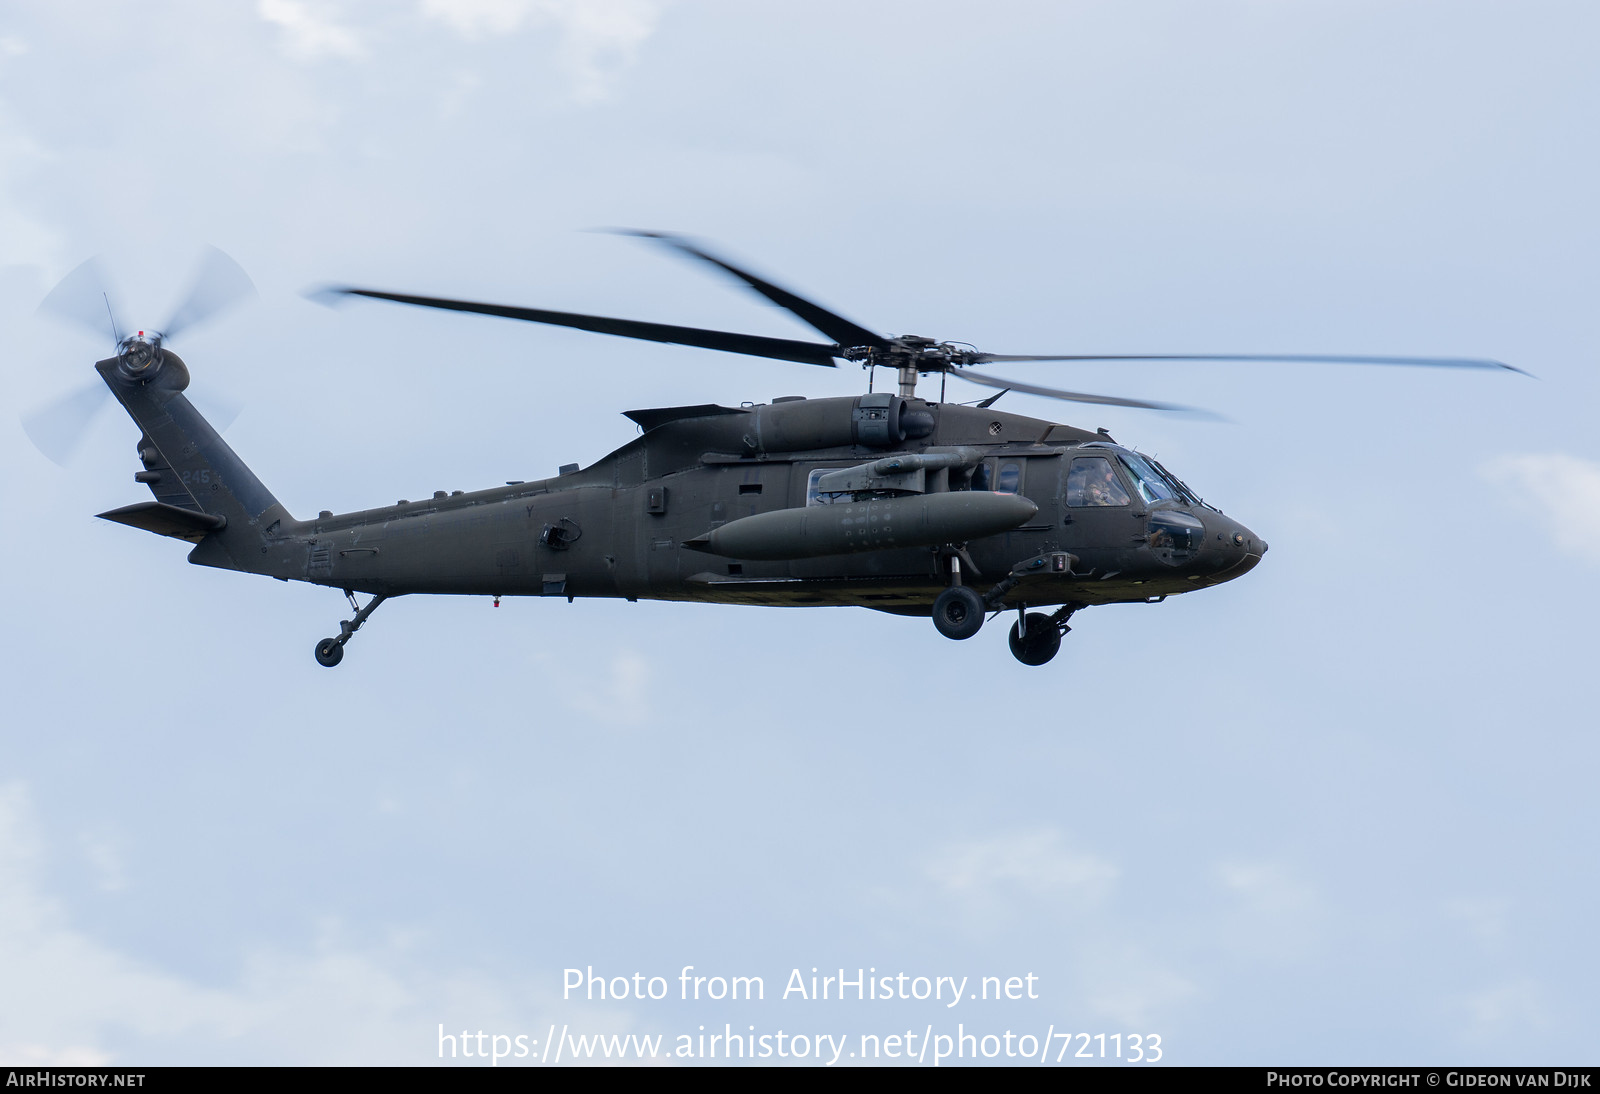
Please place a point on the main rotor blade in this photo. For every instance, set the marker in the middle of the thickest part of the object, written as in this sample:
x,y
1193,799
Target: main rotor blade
x,y
754,345
1075,396
837,327
83,299
58,428
219,284
1311,358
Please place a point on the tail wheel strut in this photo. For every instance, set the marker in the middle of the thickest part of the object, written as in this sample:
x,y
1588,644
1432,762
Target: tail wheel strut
x,y
330,651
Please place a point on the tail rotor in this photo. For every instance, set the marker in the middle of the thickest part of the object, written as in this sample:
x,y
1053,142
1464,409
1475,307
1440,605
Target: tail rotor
x,y
84,299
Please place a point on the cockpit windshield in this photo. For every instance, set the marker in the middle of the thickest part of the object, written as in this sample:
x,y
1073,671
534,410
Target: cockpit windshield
x,y
1177,484
1154,482
1153,486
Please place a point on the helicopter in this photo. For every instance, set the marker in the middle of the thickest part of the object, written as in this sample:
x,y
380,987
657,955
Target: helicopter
x,y
958,513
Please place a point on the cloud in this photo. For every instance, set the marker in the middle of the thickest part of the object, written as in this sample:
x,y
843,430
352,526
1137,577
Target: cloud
x,y
28,240
621,700
1133,988
1274,914
309,34
1040,864
1504,1008
599,38
66,995
1563,490
994,879
1482,919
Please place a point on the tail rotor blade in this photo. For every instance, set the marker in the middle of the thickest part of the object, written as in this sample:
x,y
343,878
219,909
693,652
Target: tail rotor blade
x,y
83,299
57,429
219,284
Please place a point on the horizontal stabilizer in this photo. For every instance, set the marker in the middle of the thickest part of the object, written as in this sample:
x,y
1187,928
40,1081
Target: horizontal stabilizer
x,y
167,520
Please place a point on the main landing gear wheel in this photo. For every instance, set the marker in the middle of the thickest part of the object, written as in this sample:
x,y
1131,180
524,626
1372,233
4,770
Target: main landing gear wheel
x,y
330,651
1035,639
958,612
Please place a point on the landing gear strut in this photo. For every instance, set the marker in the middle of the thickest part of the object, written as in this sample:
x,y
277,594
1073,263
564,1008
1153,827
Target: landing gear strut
x,y
330,651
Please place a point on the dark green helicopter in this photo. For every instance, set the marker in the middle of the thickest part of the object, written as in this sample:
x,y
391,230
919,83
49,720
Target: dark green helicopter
x,y
883,501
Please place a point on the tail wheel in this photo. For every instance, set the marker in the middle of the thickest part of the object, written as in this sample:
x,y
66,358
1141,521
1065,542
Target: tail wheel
x,y
958,612
1038,643
330,651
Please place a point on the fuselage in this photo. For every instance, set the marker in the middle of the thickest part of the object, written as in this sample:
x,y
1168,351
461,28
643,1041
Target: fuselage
x,y
625,525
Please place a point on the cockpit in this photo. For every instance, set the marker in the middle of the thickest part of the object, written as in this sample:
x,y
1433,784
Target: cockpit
x,y
1092,479
1106,475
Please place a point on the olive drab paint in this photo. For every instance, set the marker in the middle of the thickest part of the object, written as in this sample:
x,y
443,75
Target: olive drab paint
x,y
885,500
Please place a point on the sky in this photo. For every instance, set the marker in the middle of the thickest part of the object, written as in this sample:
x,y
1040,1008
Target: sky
x,y
1337,812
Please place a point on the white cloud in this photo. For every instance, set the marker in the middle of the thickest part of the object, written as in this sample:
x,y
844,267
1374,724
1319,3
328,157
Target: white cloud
x,y
1132,988
1038,864
1564,490
994,879
64,994
621,699
599,38
1504,1008
309,34
1275,914
104,853
1266,888
28,240
1482,919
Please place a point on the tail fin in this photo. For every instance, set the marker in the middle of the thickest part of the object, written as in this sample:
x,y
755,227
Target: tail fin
x,y
203,492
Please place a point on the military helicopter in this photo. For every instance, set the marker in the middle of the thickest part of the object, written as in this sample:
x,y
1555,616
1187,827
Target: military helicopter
x,y
888,501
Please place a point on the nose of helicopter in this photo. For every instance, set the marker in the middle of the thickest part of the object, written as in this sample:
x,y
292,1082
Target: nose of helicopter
x,y
1231,550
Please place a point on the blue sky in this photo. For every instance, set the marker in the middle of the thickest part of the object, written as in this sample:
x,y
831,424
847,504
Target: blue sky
x,y
1335,812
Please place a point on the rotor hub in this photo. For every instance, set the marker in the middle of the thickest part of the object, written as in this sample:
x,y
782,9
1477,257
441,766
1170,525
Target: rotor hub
x,y
139,354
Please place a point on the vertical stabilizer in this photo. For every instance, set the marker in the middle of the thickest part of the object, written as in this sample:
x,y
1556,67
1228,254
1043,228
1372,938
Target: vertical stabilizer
x,y
203,492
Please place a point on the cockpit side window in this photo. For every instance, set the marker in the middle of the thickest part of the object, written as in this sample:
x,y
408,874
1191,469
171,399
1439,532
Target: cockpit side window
x,y
1091,480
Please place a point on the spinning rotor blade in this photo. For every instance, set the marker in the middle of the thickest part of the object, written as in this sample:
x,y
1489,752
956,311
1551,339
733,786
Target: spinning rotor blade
x,y
58,428
83,299
840,329
219,284
1074,396
754,345
1298,358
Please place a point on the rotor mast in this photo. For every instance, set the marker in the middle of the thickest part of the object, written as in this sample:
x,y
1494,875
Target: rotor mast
x,y
909,355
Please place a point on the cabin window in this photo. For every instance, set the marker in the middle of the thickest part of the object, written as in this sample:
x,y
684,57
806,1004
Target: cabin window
x,y
1093,481
1009,479
813,497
